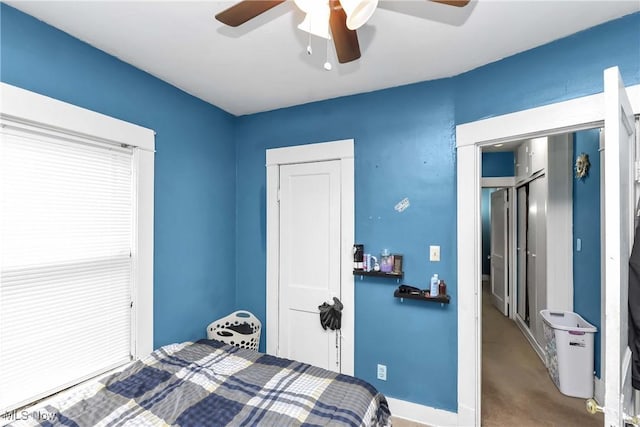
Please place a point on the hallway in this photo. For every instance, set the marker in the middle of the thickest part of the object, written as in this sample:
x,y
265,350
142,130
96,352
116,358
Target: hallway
x,y
516,387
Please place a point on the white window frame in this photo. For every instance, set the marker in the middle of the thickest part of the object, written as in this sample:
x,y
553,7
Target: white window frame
x,y
20,107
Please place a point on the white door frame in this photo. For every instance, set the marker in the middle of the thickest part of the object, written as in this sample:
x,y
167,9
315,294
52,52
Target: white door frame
x,y
563,117
336,150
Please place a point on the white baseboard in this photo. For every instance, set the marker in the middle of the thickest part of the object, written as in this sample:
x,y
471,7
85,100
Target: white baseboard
x,y
598,390
532,341
422,414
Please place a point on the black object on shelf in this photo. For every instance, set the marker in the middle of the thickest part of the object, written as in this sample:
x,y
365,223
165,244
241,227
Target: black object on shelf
x,y
442,299
390,275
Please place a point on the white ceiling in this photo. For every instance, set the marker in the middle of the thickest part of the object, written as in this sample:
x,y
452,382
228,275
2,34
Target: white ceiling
x,y
263,65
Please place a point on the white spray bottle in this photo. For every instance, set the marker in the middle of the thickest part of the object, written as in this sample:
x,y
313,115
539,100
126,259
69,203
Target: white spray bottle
x,y
435,282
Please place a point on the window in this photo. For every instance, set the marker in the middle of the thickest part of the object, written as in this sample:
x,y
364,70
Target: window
x,y
75,288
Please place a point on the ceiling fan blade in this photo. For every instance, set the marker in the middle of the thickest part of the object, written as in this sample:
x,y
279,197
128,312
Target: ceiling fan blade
x,y
458,3
344,39
241,12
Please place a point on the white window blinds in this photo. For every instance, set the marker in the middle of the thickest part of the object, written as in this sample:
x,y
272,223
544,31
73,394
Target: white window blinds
x,y
66,224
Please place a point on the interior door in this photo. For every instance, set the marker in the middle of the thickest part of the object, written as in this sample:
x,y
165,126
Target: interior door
x,y
309,261
499,250
537,267
618,208
531,267
521,250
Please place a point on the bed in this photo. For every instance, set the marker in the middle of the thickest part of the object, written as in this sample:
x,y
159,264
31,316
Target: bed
x,y
210,383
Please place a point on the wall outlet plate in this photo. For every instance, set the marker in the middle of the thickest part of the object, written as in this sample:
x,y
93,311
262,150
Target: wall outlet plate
x,y
382,372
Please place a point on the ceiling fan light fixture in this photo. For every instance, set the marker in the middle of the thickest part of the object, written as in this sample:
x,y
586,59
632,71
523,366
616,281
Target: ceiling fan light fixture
x,y
316,22
329,19
358,12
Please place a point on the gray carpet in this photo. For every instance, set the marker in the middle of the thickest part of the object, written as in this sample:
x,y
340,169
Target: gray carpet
x,y
516,387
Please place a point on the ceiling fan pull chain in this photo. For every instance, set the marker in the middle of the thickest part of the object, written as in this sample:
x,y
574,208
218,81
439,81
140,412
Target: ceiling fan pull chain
x,y
309,50
327,64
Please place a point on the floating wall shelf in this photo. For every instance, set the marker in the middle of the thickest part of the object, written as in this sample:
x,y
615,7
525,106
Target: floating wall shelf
x,y
363,273
442,299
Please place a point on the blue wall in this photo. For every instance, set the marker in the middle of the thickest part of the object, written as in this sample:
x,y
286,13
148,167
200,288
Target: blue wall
x,y
558,71
498,164
405,147
194,164
586,226
404,144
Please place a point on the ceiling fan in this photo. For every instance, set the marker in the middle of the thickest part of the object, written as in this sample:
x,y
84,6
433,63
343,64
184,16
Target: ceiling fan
x,y
343,17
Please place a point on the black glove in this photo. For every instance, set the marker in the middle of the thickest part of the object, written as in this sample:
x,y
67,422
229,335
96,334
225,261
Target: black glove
x,y
331,315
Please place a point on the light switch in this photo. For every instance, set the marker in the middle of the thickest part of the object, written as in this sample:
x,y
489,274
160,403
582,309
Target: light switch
x,y
434,253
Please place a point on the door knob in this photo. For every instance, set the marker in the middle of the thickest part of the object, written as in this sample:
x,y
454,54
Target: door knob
x,y
629,420
593,407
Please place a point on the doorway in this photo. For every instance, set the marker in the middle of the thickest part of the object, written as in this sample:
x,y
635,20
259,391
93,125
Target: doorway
x,y
511,348
329,163
497,221
562,117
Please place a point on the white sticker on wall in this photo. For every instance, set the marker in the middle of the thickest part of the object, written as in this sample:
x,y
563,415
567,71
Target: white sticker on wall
x,y
402,205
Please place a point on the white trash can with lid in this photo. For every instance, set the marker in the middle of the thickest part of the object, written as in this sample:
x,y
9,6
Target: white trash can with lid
x,y
569,352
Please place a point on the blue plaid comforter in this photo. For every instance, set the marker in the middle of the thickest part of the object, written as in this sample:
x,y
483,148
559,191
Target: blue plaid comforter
x,y
210,383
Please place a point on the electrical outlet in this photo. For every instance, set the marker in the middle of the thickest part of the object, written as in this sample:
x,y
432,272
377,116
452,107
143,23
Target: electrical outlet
x,y
382,372
434,253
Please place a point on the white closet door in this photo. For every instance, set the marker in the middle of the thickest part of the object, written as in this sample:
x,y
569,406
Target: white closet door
x,y
521,251
310,197
536,268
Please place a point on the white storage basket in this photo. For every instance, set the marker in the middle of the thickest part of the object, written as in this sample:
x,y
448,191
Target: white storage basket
x,y
240,328
569,352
